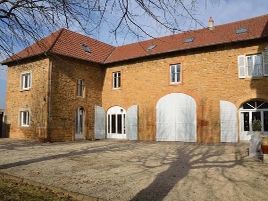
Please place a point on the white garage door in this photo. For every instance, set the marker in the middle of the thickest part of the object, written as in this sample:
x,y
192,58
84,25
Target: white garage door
x,y
176,118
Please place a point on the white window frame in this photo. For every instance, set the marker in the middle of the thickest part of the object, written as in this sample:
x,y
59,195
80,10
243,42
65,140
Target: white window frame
x,y
80,88
21,118
177,70
116,80
22,81
244,67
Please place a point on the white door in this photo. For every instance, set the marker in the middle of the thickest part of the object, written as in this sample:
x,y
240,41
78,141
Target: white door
x,y
250,111
99,123
228,117
80,123
116,127
176,118
132,123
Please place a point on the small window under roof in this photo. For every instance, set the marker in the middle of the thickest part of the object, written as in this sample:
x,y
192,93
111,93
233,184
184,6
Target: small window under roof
x,y
151,47
241,30
189,40
86,48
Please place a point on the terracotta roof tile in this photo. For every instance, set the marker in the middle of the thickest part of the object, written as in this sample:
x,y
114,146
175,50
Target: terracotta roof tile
x,y
68,43
256,28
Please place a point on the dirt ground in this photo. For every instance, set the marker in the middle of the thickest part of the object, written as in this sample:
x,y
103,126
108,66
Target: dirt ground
x,y
11,190
123,170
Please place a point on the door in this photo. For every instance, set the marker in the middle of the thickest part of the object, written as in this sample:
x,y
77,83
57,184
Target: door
x,y
99,123
132,123
176,118
228,118
80,123
250,111
116,127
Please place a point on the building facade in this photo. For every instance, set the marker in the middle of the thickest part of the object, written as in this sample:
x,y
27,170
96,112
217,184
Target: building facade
x,y
205,86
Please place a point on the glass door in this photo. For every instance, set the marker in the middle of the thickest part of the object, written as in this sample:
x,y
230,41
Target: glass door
x,y
116,123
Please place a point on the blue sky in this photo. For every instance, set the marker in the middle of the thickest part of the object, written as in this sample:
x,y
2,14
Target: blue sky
x,y
222,11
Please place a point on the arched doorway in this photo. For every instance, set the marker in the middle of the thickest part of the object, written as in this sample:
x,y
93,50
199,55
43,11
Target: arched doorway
x,y
176,118
250,111
80,123
116,126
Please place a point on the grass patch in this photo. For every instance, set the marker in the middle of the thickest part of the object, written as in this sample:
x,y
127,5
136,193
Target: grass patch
x,y
13,191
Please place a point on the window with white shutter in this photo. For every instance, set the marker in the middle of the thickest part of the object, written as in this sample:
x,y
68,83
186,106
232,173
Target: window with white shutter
x,y
250,66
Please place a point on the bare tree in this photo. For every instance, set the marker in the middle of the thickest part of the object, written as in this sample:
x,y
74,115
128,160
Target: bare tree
x,y
25,21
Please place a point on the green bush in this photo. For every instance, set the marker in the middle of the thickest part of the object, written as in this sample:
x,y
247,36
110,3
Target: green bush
x,y
256,125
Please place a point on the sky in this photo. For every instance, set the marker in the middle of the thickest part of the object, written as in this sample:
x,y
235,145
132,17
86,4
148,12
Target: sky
x,y
222,11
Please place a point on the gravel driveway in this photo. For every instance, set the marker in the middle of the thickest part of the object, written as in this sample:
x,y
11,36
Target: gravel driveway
x,y
123,170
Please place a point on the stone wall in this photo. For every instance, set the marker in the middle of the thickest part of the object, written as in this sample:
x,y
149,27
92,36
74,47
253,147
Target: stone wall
x,y
208,75
64,101
35,99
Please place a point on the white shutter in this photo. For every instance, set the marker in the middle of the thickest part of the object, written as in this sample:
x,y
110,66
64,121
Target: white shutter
x,y
228,117
132,123
265,61
99,124
241,66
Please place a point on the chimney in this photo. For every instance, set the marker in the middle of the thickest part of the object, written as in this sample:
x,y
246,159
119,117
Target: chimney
x,y
210,24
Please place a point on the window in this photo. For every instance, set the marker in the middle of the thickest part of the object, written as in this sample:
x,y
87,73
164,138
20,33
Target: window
x,y
175,73
26,81
254,110
116,80
81,88
25,118
250,66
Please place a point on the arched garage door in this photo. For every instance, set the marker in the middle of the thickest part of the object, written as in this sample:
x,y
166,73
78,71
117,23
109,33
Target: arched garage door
x,y
176,118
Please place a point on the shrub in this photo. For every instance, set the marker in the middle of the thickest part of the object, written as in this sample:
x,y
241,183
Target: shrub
x,y
256,125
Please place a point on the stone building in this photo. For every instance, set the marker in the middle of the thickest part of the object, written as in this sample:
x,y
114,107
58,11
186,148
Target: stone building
x,y
204,86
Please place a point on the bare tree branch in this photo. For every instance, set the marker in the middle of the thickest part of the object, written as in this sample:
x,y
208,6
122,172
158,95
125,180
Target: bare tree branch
x,y
25,21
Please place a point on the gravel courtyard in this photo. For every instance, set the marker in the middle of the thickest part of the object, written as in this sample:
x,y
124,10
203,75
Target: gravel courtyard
x,y
123,170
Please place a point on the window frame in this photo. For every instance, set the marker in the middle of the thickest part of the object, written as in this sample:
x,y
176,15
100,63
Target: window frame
x,y
178,78
243,66
80,87
21,118
116,82
22,81
253,56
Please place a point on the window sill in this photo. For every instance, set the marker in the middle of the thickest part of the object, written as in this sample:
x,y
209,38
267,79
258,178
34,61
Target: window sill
x,y
252,78
174,83
25,126
116,88
25,89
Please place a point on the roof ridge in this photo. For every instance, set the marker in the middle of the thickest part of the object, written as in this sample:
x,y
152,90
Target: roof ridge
x,y
99,41
56,39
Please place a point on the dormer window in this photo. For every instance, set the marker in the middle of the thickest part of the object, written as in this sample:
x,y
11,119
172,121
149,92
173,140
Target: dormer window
x,y
150,48
189,40
241,30
86,48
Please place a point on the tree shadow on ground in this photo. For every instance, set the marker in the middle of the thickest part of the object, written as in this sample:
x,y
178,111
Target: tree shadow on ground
x,y
112,147
187,157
